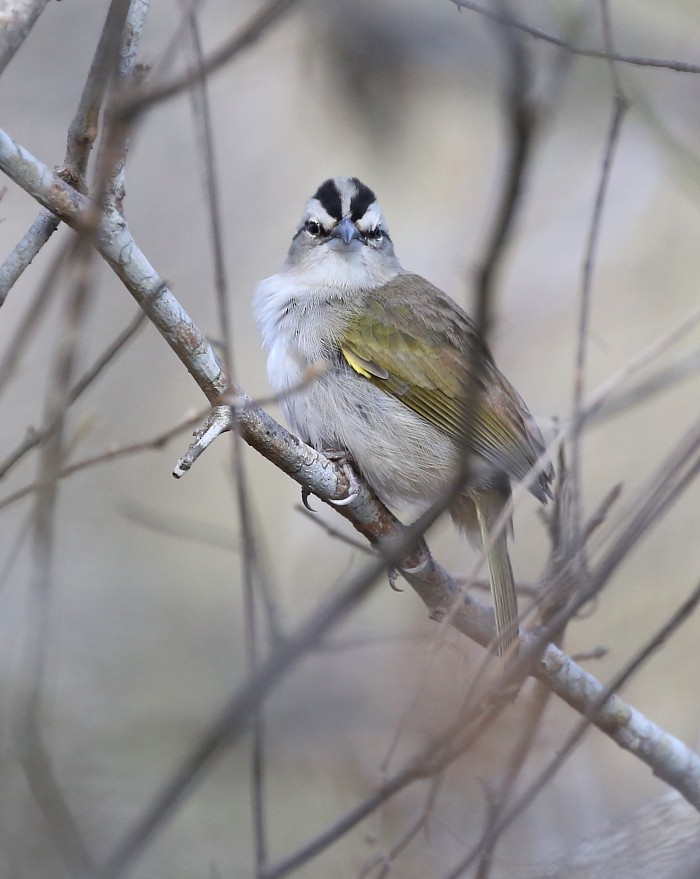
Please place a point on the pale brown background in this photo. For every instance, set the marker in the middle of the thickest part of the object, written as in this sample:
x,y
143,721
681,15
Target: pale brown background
x,y
146,633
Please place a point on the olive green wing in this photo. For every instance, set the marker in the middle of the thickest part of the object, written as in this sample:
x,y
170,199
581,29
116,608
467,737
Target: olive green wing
x,y
413,342
419,372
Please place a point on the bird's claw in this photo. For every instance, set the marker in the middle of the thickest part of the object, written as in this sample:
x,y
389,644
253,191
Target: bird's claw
x,y
305,492
416,569
393,575
343,502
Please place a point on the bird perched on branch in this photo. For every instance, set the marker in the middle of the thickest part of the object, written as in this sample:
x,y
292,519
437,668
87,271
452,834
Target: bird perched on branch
x,y
392,394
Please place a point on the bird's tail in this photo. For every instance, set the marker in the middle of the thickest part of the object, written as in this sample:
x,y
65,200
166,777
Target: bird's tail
x,y
489,505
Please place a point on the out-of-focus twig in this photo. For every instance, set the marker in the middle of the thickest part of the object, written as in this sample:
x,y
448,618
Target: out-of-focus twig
x,y
31,320
112,454
259,24
381,866
686,366
81,137
539,34
521,119
619,109
564,751
250,561
17,18
28,735
500,797
36,437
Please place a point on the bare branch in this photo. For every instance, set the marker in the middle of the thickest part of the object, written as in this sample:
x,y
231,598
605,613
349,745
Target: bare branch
x,y
81,137
36,437
564,751
619,109
256,27
111,454
17,17
516,761
521,119
539,34
34,755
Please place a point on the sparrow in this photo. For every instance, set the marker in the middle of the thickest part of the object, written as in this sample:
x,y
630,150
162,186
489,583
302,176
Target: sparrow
x,y
390,356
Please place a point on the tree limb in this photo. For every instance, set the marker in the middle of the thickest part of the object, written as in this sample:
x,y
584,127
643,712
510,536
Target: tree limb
x,y
17,18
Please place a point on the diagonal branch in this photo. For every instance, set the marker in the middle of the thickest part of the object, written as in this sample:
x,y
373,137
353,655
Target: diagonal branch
x,y
81,134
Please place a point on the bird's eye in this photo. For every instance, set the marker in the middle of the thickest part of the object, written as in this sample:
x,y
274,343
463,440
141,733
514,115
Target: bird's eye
x,y
313,228
374,234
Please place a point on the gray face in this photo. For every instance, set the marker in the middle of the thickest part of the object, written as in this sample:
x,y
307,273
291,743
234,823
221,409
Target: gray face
x,y
341,221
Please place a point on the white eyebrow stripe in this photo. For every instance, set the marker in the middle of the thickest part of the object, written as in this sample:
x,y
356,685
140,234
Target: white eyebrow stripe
x,y
314,210
371,218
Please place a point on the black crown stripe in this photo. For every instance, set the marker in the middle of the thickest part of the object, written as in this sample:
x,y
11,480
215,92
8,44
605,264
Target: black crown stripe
x,y
362,199
327,193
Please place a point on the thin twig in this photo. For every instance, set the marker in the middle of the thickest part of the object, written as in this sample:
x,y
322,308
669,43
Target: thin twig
x,y
521,118
232,720
249,556
37,437
81,137
686,366
364,548
539,34
16,20
383,864
620,105
516,761
112,454
565,750
182,527
116,137
256,27
31,320
34,755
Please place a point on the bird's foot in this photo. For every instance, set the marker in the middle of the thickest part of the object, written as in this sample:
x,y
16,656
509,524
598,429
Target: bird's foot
x,y
416,569
344,459
338,456
353,489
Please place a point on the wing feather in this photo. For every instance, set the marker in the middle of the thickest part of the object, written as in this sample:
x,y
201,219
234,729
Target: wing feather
x,y
412,341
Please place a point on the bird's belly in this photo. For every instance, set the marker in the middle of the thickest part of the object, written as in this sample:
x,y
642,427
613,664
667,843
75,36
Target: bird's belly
x,y
402,457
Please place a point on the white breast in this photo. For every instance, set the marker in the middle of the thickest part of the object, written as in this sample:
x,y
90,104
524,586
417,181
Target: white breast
x,y
300,328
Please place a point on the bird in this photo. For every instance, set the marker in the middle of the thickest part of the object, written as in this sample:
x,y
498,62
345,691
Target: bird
x,y
389,355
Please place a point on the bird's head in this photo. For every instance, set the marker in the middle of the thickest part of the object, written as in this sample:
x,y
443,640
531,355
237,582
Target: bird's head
x,y
342,239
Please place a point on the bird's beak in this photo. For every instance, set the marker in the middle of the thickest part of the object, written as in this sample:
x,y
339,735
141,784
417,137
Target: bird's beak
x,y
346,231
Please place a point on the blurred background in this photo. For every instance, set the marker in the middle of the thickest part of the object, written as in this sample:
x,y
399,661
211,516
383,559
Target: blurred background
x,y
145,638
